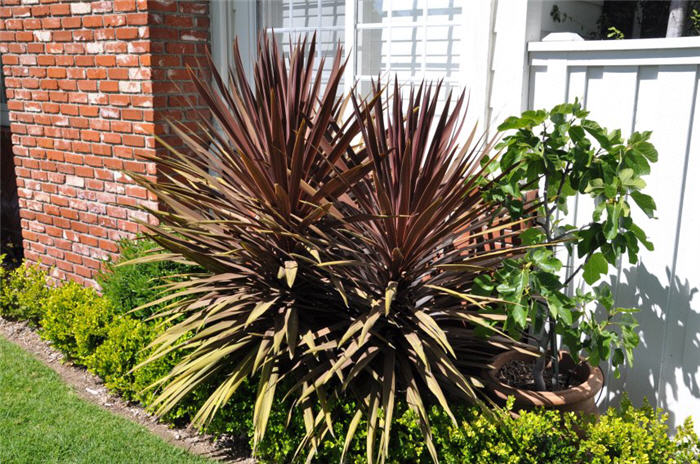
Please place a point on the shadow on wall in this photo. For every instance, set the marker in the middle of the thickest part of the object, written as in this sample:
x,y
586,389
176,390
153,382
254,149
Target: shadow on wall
x,y
667,354
10,228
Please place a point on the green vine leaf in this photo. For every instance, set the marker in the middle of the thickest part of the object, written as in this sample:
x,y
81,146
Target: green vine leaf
x,y
596,266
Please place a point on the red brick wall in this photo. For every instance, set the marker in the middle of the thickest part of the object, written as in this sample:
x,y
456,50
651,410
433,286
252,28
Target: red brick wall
x,y
179,33
88,87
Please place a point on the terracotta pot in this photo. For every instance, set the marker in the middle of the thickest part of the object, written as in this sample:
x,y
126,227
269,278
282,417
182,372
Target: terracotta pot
x,y
580,398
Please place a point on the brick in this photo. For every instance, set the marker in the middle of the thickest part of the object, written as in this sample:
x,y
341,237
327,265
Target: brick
x,y
75,181
128,86
140,74
43,36
109,113
124,5
112,138
119,100
62,36
57,73
86,61
80,8
109,86
87,85
139,47
94,48
114,20
76,73
121,126
83,35
71,22
106,60
127,33
134,140
116,48
127,60
118,73
102,6
96,73
92,21
51,23
132,115
60,9
104,34
142,101
137,19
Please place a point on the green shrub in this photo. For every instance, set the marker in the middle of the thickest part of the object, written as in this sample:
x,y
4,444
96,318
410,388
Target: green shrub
x,y
123,348
130,286
127,287
623,435
631,435
76,320
23,292
126,346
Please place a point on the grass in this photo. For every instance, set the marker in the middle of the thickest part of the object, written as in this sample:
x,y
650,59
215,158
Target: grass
x,y
43,421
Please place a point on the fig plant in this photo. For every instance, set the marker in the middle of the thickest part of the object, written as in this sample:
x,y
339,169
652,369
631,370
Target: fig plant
x,y
552,158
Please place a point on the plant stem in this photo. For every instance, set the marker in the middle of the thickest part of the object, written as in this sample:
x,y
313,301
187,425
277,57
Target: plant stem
x,y
538,372
573,274
555,352
541,362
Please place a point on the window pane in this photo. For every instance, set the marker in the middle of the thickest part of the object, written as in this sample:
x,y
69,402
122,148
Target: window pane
x,y
443,52
412,39
372,47
273,14
305,14
410,11
294,19
444,10
371,11
333,13
328,47
327,44
407,52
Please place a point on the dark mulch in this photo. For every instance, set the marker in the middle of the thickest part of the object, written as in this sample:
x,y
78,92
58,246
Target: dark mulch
x,y
518,374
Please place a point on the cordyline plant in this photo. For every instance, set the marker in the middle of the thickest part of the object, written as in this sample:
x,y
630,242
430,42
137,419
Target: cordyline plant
x,y
329,247
555,156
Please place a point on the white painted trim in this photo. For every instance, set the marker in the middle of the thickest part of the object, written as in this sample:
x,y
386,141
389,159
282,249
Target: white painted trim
x,y
408,24
221,34
615,45
619,58
350,45
475,72
281,30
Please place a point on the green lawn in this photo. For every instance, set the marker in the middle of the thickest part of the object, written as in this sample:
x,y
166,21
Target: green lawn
x,y
42,420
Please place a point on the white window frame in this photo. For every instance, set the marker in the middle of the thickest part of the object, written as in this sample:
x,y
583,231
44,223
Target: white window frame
x,y
234,18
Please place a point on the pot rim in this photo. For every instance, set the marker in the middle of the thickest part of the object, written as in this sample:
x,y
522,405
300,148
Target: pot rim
x,y
591,385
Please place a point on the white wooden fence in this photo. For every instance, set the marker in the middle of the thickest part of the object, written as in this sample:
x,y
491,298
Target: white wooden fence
x,y
634,85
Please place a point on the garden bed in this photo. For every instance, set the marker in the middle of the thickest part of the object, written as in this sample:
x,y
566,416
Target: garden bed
x,y
65,312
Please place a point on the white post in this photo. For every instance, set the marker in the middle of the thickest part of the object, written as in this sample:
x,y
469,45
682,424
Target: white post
x,y
676,18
